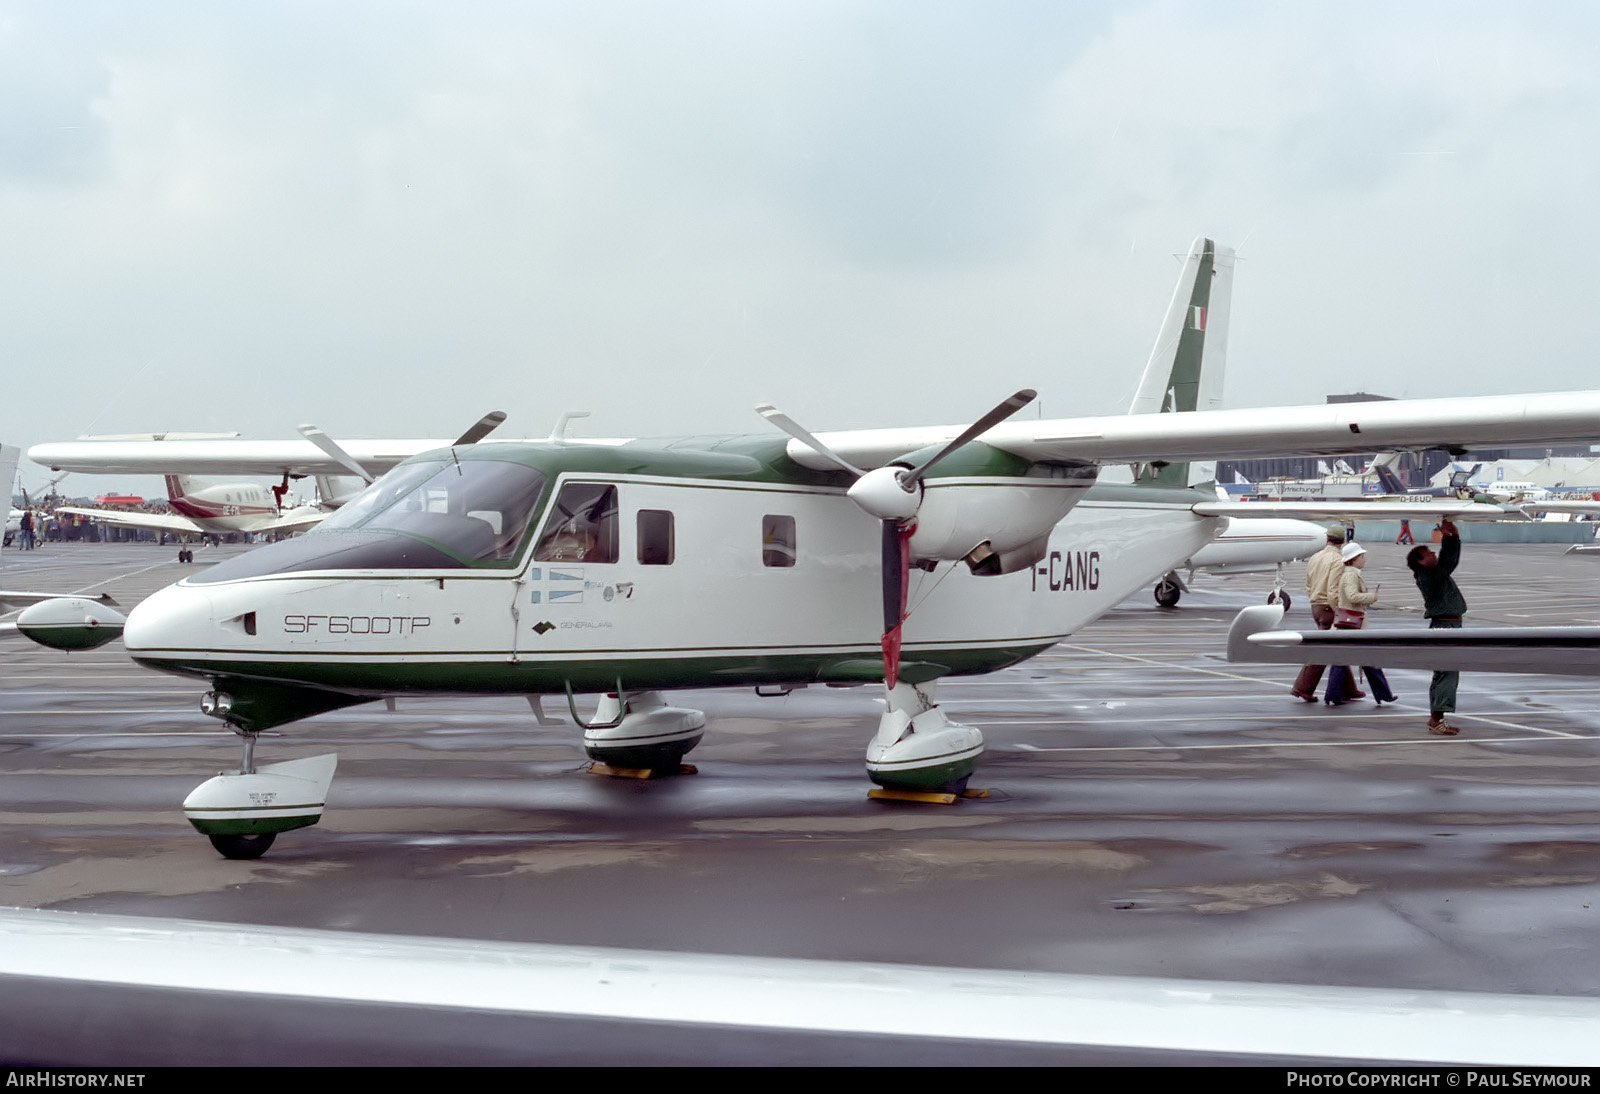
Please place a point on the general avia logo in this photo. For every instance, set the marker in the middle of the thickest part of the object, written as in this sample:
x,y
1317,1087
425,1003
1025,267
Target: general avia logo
x,y
544,626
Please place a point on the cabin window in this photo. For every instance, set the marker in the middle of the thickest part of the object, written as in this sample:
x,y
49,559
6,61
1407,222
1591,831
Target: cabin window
x,y
582,525
777,541
655,537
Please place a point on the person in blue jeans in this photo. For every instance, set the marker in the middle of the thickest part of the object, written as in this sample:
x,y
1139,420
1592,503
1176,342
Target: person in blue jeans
x,y
1350,614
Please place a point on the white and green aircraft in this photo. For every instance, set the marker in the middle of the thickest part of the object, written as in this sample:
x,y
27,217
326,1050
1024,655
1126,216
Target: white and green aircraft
x,y
896,557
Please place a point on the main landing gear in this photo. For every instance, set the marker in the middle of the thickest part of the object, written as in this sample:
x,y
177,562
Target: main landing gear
x,y
1280,592
1168,590
243,811
637,735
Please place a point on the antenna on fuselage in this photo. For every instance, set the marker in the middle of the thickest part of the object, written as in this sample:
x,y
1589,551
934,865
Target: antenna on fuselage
x,y
558,435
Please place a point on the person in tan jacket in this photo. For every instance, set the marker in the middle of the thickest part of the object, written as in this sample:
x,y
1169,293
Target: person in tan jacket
x,y
1322,591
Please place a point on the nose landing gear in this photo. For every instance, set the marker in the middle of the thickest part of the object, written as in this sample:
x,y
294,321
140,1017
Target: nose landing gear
x,y
243,811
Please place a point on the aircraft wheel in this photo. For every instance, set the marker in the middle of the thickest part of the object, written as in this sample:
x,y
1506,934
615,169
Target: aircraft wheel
x,y
253,845
1167,593
1280,597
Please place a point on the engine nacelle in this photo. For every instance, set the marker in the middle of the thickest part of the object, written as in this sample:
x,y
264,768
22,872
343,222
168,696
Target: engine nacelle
x,y
70,623
1010,518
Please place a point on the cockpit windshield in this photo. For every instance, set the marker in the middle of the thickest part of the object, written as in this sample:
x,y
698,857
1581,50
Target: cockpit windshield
x,y
477,510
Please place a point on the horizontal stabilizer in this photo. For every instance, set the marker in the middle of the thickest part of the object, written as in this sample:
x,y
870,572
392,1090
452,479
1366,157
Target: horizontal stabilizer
x,y
1400,509
1567,651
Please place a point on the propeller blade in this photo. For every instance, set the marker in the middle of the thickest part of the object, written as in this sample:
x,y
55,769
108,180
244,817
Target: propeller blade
x,y
896,572
331,447
976,429
793,428
482,427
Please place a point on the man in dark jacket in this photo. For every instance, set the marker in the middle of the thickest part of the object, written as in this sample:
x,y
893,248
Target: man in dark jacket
x,y
1444,606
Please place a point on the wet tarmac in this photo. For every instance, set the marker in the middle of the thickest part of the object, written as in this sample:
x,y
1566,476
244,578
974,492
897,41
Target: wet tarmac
x,y
1156,810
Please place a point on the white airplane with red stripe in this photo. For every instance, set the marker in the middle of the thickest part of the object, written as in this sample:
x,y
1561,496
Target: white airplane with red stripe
x,y
211,509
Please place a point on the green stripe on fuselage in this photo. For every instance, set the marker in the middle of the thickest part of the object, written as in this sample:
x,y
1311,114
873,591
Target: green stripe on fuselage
x,y
269,693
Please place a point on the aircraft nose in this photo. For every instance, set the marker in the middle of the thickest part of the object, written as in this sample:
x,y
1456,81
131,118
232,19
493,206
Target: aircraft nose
x,y
176,617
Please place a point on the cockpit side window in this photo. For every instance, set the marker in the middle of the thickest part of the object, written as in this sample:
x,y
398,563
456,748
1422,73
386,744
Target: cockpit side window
x,y
581,525
477,510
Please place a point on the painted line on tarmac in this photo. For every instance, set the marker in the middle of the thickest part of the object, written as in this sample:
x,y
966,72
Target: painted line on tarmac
x,y
1121,714
1257,680
1486,720
97,711
124,577
146,735
1430,740
1168,664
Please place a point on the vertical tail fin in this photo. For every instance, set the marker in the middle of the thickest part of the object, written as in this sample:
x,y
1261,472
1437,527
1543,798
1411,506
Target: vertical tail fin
x,y
8,470
1189,361
1390,481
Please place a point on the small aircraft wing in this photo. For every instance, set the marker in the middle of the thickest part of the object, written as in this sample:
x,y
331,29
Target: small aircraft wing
x,y
10,598
1565,505
156,522
1395,509
1323,430
295,520
1569,651
216,454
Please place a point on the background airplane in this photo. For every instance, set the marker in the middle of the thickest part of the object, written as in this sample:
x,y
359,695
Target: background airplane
x,y
1459,487
212,509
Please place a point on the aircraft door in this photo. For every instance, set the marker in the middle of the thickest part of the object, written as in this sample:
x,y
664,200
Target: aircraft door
x,y
562,587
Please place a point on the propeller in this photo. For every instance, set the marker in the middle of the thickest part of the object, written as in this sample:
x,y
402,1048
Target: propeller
x,y
893,494
334,452
482,427
477,432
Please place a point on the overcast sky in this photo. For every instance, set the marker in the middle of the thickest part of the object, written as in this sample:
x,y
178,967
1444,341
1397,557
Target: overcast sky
x,y
388,218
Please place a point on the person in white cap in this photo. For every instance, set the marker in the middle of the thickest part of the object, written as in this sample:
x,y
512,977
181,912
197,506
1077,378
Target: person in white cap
x,y
1349,615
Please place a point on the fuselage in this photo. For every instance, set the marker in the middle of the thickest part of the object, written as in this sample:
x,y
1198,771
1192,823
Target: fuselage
x,y
613,574
1258,545
221,507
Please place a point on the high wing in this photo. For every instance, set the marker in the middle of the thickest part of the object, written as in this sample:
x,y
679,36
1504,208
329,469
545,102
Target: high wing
x,y
1570,651
222,457
1319,430
215,454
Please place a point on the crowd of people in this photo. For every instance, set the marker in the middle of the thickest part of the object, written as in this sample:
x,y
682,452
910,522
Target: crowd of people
x,y
1340,598
41,523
